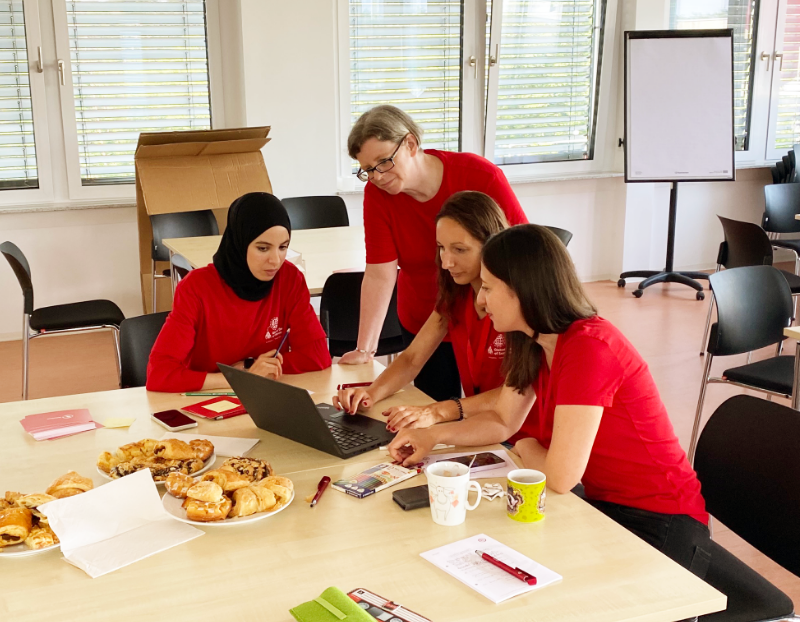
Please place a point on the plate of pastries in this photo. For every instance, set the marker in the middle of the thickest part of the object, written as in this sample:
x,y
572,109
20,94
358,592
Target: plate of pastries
x,y
241,490
161,457
24,530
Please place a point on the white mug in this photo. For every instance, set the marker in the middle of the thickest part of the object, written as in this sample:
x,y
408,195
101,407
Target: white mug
x,y
448,490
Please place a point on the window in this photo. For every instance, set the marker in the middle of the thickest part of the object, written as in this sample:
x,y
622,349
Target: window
x,y
408,54
17,146
536,100
787,116
741,16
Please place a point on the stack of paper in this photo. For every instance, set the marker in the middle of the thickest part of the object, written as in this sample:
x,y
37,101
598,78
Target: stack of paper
x,y
60,423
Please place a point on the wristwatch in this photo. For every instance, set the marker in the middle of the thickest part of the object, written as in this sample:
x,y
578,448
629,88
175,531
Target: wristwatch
x,y
248,362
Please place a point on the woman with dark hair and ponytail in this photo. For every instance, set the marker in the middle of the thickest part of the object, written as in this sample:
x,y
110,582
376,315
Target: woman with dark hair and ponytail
x,y
578,400
240,307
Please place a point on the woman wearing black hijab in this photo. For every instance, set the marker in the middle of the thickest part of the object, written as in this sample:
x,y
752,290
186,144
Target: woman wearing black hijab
x,y
240,307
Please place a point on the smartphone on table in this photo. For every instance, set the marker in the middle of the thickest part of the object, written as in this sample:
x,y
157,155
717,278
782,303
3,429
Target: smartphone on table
x,y
174,420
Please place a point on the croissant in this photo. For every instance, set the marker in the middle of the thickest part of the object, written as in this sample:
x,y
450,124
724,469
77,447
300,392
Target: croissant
x,y
11,497
203,449
15,525
280,481
282,494
131,450
173,449
69,484
204,511
41,536
205,491
178,484
34,501
229,480
253,468
245,502
266,498
4,505
106,462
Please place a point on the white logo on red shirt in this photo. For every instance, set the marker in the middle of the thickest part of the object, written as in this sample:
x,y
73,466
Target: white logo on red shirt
x,y
274,330
497,349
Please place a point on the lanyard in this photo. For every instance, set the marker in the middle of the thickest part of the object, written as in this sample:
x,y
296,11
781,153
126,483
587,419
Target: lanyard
x,y
474,363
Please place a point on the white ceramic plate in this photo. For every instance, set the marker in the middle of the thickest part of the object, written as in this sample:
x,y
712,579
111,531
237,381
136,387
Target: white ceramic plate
x,y
173,507
207,465
21,550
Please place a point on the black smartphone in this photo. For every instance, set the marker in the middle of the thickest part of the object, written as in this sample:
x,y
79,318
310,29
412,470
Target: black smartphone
x,y
174,420
412,498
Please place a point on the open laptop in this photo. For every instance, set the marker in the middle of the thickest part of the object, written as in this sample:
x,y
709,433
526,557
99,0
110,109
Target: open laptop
x,y
290,412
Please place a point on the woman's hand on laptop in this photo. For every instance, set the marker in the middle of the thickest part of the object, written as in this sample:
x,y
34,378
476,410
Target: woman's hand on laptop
x,y
268,365
415,416
350,400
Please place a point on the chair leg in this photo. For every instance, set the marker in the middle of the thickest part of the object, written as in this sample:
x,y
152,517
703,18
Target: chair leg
x,y
708,325
26,321
153,271
117,356
699,413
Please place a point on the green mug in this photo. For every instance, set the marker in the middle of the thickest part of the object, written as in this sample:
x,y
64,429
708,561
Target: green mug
x,y
526,495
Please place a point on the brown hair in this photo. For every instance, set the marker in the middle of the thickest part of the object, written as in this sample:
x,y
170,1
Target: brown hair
x,y
481,217
384,123
535,265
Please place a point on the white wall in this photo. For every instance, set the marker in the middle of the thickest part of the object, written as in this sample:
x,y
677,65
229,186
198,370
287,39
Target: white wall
x,y
279,69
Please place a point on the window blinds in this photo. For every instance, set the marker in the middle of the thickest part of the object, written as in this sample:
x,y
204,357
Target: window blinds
x,y
137,66
741,16
408,54
17,150
787,130
549,51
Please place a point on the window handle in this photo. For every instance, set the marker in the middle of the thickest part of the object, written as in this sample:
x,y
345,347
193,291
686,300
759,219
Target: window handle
x,y
473,62
776,56
40,64
765,56
493,59
61,72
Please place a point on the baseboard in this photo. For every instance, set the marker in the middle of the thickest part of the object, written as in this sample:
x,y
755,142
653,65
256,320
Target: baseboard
x,y
10,336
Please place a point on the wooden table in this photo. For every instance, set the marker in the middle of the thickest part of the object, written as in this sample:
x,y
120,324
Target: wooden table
x,y
258,571
323,251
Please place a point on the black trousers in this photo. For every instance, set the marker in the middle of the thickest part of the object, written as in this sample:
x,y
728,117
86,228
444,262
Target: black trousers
x,y
439,377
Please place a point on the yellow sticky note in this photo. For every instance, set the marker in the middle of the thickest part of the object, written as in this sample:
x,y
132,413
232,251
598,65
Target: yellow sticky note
x,y
221,406
118,422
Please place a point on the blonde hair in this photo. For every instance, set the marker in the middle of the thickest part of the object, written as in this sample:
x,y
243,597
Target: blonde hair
x,y
386,123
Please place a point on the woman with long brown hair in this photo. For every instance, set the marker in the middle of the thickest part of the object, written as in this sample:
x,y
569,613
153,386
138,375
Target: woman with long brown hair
x,y
467,219
578,399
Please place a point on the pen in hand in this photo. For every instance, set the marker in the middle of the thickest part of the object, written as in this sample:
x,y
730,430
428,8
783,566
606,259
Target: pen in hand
x,y
280,345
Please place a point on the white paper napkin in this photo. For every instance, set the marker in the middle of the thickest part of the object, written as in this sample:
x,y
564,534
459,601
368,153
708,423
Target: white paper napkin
x,y
115,525
223,445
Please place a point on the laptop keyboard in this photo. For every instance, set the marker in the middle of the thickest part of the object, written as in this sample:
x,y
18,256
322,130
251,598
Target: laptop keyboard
x,y
348,439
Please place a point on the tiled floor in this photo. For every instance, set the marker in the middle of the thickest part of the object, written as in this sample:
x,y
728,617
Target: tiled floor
x,y
666,325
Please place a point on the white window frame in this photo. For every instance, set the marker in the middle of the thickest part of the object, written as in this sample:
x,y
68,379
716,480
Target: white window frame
x,y
59,108
472,122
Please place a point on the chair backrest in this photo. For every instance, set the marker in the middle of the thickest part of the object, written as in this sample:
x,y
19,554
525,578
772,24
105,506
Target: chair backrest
x,y
19,264
136,338
316,212
340,308
563,235
747,464
746,244
180,225
754,305
781,203
787,165
781,170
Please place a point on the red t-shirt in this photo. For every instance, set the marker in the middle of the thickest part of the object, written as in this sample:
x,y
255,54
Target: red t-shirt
x,y
478,347
402,228
636,459
210,324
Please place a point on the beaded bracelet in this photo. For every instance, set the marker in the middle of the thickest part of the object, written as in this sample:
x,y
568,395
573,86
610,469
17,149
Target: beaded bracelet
x,y
369,352
457,400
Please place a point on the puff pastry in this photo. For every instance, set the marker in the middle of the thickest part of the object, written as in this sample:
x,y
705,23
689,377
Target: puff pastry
x,y
69,484
253,468
41,536
202,448
205,511
106,462
229,480
210,492
178,484
280,481
266,498
173,449
15,525
34,501
245,502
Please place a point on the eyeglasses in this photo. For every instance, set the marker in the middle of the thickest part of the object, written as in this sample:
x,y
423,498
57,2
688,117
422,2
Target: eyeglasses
x,y
384,166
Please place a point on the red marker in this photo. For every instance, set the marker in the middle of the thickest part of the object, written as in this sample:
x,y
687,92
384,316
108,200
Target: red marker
x,y
519,573
323,484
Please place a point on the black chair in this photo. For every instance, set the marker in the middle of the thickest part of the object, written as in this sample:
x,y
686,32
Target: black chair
x,y
57,319
316,212
747,464
781,204
136,338
781,171
746,244
787,165
340,310
776,178
563,235
177,225
754,305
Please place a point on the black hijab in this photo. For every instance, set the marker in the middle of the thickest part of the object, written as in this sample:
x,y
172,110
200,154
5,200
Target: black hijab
x,y
248,217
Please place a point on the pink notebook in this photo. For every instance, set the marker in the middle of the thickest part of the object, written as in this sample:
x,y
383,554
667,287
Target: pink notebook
x,y
59,423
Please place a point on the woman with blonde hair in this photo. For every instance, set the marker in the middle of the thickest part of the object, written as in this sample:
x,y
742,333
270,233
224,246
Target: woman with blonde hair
x,y
406,188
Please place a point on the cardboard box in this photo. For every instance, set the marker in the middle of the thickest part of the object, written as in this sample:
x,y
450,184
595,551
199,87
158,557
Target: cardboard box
x,y
189,171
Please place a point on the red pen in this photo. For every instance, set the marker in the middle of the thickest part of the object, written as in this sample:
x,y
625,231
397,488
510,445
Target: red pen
x,y
323,484
519,573
352,385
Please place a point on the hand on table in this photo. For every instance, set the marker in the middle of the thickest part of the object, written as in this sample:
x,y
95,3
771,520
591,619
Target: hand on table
x,y
355,357
411,446
350,400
